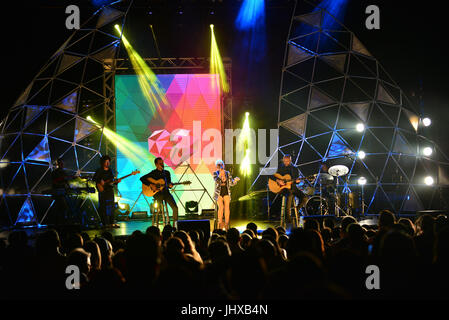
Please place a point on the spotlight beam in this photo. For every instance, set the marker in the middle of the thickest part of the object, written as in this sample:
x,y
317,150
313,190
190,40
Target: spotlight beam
x,y
148,82
216,63
244,143
132,151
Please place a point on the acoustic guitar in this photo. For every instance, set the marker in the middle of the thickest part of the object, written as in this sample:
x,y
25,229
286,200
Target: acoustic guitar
x,y
276,187
158,185
100,188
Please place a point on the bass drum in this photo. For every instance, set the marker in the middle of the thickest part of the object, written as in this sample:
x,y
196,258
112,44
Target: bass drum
x,y
312,207
308,191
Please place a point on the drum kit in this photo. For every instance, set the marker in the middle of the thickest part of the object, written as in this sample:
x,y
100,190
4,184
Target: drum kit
x,y
322,194
325,198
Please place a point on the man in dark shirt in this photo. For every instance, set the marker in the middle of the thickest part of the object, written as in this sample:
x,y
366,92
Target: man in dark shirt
x,y
59,184
104,178
58,176
290,169
164,194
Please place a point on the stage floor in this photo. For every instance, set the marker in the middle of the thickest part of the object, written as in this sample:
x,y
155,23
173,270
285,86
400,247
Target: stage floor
x,y
128,227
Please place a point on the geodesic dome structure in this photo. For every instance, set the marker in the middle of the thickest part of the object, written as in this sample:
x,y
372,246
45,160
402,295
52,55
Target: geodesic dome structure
x,y
48,121
331,83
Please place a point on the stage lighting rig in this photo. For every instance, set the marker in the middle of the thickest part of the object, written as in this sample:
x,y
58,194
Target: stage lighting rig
x,y
360,127
428,180
426,122
427,151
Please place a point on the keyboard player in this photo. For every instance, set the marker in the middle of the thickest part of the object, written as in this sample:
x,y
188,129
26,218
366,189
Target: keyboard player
x,y
60,178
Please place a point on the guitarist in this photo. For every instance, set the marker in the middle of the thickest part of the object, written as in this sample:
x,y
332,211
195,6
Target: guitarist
x,y
106,197
164,194
290,169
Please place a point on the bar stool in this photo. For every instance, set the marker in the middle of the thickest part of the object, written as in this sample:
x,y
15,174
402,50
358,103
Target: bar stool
x,y
295,218
161,211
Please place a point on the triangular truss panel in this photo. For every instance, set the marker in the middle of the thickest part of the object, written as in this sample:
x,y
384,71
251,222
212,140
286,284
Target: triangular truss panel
x,y
339,105
48,120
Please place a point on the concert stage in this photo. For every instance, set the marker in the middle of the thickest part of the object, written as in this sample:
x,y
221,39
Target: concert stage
x,y
101,93
128,227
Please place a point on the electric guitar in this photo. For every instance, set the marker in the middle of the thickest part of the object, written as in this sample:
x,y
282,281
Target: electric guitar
x,y
157,185
276,187
100,187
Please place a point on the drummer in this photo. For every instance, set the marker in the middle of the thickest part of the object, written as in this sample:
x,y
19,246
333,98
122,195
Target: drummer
x,y
325,178
328,185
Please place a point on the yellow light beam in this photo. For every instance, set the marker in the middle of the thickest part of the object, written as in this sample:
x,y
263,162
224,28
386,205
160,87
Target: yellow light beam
x,y
216,63
132,151
148,81
244,143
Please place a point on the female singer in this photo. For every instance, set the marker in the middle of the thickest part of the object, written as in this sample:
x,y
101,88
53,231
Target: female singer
x,y
222,194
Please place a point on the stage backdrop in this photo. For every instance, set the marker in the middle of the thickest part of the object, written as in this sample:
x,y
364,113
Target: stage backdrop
x,y
191,112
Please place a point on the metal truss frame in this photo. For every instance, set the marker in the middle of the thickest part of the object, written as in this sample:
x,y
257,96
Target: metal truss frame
x,y
182,65
50,119
331,82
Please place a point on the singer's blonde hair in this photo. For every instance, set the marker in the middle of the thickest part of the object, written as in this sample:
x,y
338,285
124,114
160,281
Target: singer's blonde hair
x,y
219,161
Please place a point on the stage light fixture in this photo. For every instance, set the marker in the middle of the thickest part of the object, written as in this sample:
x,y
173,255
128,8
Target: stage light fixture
x,y
361,181
4,163
192,207
427,151
361,154
360,127
428,180
426,122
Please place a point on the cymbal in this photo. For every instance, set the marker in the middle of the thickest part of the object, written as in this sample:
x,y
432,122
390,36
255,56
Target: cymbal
x,y
325,178
338,170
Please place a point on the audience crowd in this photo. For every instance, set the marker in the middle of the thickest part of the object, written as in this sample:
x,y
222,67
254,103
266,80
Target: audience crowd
x,y
321,260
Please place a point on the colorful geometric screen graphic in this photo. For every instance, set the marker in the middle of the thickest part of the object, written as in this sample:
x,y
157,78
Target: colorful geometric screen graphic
x,y
184,130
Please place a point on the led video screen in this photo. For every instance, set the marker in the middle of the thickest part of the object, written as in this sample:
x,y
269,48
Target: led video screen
x,y
181,130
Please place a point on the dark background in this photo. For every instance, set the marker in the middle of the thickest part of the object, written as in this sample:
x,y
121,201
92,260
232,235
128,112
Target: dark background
x,y
410,45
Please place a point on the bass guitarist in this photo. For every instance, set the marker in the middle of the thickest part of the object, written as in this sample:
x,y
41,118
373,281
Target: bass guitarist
x,y
105,191
290,169
150,179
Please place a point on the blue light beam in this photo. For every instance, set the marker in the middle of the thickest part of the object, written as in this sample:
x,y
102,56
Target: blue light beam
x,y
251,14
